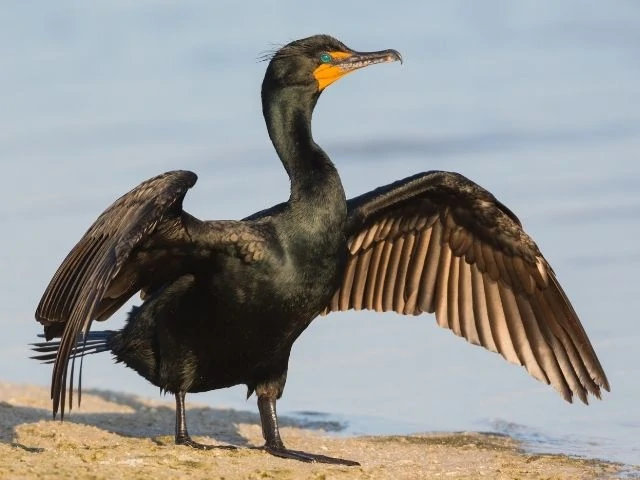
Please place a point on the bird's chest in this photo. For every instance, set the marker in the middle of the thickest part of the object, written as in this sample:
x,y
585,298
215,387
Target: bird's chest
x,y
310,272
288,285
313,276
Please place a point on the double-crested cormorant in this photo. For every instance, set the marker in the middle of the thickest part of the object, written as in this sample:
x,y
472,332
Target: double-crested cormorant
x,y
224,301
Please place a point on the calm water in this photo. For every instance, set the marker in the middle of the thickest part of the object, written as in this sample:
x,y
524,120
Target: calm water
x,y
536,101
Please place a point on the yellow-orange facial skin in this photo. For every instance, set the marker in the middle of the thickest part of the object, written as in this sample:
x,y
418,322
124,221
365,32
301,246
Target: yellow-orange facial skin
x,y
327,73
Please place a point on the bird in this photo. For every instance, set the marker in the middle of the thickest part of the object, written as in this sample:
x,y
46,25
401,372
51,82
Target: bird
x,y
223,301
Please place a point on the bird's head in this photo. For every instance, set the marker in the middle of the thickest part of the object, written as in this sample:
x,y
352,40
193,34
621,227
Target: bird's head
x,y
318,61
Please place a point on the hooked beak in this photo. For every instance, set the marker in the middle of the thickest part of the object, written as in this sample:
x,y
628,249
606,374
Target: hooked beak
x,y
347,62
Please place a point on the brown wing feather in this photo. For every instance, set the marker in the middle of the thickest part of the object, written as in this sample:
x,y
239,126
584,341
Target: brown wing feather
x,y
437,242
76,294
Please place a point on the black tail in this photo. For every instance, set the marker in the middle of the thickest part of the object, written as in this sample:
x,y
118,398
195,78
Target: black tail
x,y
93,342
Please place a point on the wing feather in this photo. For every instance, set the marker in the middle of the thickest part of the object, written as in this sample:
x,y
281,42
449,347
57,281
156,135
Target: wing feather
x,y
391,277
360,279
372,275
437,242
77,289
345,291
414,274
399,293
442,282
430,271
465,304
453,293
481,311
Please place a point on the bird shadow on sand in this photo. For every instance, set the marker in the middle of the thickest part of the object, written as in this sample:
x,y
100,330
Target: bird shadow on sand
x,y
148,420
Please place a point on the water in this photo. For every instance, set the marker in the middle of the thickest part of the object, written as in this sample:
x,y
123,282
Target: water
x,y
536,101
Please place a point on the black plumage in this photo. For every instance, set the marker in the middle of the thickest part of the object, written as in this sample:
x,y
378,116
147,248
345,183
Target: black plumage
x,y
224,301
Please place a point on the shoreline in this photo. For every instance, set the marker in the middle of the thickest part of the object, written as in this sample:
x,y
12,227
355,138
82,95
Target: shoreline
x,y
118,435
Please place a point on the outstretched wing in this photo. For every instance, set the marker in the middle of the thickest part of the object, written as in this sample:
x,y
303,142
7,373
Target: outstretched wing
x,y
80,290
437,242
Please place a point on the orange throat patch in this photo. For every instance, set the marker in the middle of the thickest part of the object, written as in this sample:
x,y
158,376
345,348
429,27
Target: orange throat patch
x,y
327,73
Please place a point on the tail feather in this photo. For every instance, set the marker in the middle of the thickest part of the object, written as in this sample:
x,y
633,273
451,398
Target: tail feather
x,y
93,342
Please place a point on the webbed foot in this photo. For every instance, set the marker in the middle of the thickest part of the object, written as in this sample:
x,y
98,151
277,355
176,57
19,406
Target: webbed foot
x,y
187,441
283,452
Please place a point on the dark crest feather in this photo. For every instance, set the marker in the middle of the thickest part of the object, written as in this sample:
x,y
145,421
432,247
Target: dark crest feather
x,y
300,47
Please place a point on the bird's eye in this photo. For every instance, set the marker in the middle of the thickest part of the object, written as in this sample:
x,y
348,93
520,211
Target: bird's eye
x,y
325,58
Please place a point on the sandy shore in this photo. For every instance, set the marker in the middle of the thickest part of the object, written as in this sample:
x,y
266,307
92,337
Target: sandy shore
x,y
123,436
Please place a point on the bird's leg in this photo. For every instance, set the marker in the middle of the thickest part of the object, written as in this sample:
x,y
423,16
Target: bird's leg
x,y
273,442
182,435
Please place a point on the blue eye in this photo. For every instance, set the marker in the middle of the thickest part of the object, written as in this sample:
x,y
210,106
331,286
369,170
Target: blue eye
x,y
325,58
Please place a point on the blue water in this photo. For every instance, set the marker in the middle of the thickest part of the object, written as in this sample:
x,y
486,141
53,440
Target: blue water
x,y
536,101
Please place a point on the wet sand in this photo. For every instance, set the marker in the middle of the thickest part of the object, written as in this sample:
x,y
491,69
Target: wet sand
x,y
123,436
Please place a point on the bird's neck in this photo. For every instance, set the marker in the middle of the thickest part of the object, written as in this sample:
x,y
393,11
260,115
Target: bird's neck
x,y
313,176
